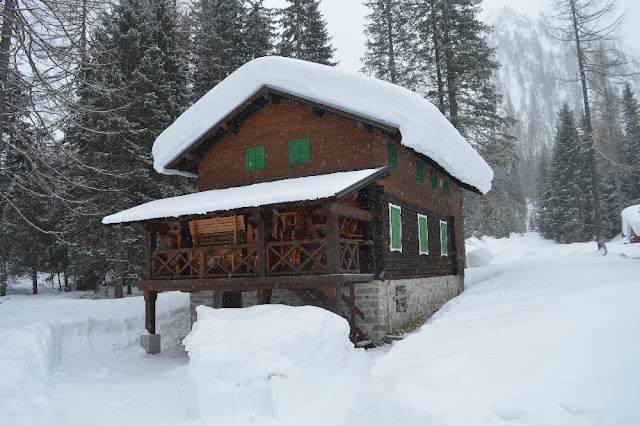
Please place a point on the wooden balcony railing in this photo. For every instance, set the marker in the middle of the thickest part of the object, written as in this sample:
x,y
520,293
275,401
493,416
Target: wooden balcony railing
x,y
241,260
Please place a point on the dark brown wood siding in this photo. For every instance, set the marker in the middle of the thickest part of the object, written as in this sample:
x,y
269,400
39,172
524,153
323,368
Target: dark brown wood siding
x,y
337,144
410,263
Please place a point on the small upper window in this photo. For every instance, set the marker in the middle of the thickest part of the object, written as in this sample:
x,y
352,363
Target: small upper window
x,y
393,156
300,151
256,158
445,184
434,180
420,171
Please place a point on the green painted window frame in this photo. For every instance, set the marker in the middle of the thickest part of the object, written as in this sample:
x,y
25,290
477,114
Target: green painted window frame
x,y
423,234
256,158
299,151
395,227
420,171
434,180
445,184
393,156
444,238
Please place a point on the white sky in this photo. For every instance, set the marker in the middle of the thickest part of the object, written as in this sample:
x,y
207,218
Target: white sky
x,y
345,22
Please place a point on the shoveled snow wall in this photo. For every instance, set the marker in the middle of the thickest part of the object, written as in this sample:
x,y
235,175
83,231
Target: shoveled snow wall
x,y
33,342
269,363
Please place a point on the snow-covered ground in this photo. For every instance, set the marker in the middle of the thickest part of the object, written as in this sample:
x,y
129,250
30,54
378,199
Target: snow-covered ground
x,y
544,335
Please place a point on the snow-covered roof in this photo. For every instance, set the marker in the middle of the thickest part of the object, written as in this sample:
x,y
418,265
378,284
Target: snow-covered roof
x,y
258,194
631,220
420,123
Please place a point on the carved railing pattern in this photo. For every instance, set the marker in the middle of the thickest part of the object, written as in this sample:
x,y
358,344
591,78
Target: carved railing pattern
x,y
349,255
240,260
225,261
297,257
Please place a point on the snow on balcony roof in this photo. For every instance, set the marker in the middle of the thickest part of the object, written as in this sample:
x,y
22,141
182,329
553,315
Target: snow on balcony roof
x,y
420,123
631,220
258,194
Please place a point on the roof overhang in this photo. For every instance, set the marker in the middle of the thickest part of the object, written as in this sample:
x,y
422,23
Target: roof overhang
x,y
333,186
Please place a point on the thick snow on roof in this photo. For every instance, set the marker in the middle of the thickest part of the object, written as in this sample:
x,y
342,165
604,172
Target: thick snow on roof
x,y
258,194
421,124
631,220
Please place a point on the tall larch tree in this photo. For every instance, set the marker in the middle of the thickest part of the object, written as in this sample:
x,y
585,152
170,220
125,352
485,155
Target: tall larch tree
x,y
304,33
135,86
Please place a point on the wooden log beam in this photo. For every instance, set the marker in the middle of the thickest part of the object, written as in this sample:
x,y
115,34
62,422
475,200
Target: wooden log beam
x,y
287,282
350,212
150,298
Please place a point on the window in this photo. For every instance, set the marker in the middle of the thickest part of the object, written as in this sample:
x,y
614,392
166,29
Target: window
x,y
300,151
395,227
256,158
420,171
444,239
445,184
393,156
434,180
423,234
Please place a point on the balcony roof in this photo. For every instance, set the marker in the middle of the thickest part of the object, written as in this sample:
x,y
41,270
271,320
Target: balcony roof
x,y
333,185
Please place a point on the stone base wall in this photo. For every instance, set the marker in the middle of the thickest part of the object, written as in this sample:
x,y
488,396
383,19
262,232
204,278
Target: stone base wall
x,y
377,300
383,315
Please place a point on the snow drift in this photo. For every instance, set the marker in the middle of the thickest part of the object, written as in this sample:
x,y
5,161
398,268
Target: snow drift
x,y
266,363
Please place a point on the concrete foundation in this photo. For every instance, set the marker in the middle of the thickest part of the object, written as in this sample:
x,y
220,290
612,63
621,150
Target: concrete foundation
x,y
389,306
150,343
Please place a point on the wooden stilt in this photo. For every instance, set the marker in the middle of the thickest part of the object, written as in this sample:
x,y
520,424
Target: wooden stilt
x,y
150,298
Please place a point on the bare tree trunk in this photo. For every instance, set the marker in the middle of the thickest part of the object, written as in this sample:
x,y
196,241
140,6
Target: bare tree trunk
x,y
392,57
436,50
34,279
589,136
8,18
3,278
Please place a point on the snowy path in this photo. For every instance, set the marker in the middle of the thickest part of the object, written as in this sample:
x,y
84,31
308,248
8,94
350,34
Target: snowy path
x,y
120,387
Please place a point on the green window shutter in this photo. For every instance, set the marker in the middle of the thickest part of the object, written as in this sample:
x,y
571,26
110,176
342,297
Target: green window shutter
x,y
395,225
444,239
300,151
434,180
256,158
423,234
420,171
445,183
393,156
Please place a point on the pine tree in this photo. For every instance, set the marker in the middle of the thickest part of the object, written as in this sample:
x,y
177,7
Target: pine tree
x,y
258,30
566,217
390,45
135,86
631,151
304,35
218,42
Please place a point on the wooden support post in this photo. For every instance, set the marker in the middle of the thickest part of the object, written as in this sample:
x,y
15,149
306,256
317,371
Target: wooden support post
x,y
150,248
264,296
352,312
261,259
333,241
150,298
333,296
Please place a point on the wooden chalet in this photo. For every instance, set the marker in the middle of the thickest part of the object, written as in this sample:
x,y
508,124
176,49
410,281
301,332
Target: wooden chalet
x,y
305,199
631,223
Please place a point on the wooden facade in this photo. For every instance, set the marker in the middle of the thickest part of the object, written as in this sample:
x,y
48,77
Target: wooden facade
x,y
315,249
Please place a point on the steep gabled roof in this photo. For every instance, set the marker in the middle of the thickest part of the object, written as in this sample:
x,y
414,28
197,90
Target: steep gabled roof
x,y
422,127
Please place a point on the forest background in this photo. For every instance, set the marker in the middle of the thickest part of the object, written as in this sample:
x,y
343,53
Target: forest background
x,y
86,86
